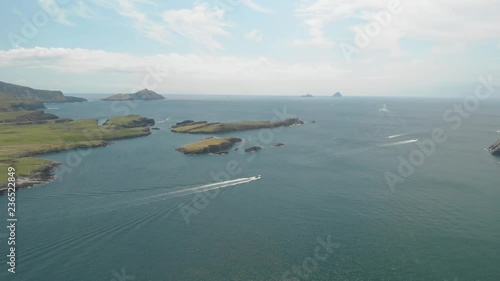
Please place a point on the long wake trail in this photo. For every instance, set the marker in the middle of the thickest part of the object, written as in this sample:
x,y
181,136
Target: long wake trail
x,y
177,192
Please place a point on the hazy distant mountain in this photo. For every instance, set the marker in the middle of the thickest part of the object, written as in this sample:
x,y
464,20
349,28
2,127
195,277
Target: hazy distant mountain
x,y
141,95
22,93
337,95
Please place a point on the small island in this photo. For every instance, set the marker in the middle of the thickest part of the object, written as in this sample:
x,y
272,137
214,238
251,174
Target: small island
x,y
253,149
144,94
210,145
203,127
337,95
307,96
494,149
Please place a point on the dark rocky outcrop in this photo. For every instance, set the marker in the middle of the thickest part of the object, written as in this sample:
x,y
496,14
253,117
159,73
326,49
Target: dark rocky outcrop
x,y
253,149
26,105
279,145
494,149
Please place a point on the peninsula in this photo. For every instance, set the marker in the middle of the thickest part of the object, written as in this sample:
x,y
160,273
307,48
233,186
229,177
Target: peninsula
x,y
16,96
144,94
203,127
27,131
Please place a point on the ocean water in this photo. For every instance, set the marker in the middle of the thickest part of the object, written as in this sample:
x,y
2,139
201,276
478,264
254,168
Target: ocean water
x,y
139,210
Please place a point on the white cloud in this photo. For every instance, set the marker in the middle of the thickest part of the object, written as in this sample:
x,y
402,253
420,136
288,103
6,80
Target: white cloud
x,y
192,73
254,35
439,21
448,49
53,9
201,24
256,7
147,27
84,11
317,34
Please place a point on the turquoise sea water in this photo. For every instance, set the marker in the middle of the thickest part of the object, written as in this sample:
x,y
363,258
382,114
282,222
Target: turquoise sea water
x,y
122,208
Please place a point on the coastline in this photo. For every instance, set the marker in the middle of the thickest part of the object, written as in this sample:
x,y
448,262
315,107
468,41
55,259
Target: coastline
x,y
85,134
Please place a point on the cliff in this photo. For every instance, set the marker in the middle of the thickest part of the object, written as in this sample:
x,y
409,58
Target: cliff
x,y
22,94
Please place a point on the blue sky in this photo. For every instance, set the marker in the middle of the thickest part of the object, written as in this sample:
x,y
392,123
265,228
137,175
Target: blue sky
x,y
252,47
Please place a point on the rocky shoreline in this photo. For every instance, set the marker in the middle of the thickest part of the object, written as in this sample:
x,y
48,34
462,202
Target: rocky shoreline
x,y
494,149
38,176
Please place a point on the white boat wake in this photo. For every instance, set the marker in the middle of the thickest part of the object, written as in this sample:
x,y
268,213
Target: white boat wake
x,y
399,143
180,192
163,121
399,135
203,188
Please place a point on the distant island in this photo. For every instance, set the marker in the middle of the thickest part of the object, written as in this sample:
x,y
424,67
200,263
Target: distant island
x,y
144,94
494,149
203,127
210,145
307,96
337,95
37,133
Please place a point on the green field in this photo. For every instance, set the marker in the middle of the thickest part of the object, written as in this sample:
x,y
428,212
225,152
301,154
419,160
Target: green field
x,y
209,145
19,142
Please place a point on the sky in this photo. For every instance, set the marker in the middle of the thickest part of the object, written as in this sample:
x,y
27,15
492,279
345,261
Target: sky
x,y
251,47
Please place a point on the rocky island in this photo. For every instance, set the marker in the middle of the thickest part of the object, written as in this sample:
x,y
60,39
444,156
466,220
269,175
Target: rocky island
x,y
494,149
27,131
210,145
144,94
337,95
253,149
203,127
307,96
